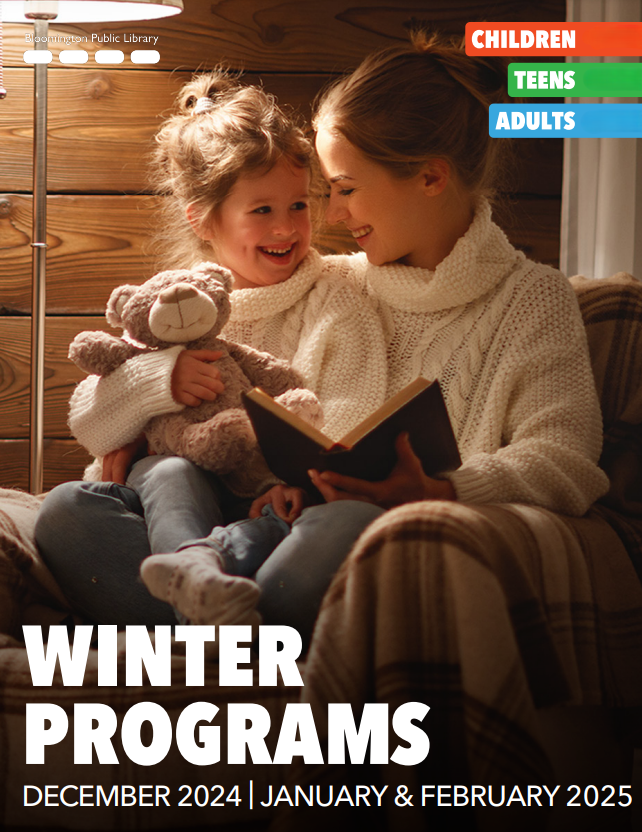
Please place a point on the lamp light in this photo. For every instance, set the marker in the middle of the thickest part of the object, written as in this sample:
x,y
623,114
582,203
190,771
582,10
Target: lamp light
x,y
87,11
39,13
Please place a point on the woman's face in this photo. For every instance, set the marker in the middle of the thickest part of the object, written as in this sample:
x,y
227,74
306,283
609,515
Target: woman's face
x,y
389,217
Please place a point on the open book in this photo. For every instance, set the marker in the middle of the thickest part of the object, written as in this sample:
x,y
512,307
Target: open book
x,y
291,446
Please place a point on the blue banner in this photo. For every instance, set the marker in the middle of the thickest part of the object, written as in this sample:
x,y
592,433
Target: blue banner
x,y
565,121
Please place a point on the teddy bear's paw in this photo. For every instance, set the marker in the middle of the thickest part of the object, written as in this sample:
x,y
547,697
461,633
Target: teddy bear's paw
x,y
99,352
193,582
303,403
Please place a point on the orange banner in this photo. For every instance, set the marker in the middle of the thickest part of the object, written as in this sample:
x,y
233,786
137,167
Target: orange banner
x,y
493,38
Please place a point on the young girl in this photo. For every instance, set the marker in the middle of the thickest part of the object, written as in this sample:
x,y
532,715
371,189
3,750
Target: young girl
x,y
235,171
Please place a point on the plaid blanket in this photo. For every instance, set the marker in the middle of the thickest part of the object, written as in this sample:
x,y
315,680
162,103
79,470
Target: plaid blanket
x,y
484,613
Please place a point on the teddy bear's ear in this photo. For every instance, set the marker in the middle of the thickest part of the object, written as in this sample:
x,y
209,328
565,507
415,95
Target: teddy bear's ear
x,y
219,272
117,301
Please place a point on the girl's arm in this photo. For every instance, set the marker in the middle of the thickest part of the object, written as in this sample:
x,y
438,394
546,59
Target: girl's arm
x,y
107,413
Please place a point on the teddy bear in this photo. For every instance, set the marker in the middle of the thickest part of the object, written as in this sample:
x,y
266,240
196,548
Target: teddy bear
x,y
191,307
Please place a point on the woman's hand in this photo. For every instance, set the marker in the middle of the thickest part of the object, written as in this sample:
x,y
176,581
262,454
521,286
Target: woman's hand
x,y
407,483
287,501
195,379
116,464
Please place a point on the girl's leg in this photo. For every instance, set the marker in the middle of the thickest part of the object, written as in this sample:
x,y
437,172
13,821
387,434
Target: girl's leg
x,y
294,579
93,538
180,500
203,579
294,567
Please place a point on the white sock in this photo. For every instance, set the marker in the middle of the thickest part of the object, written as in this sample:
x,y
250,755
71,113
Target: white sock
x,y
194,583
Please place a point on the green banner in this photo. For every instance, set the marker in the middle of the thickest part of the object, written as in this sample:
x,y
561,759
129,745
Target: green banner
x,y
575,80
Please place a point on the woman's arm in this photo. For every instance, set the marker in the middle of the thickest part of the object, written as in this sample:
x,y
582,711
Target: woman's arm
x,y
543,395
407,483
543,406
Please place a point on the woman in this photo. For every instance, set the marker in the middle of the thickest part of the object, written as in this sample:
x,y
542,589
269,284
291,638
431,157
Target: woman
x,y
403,143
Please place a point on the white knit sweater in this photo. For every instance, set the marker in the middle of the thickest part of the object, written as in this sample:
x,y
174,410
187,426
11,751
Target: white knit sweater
x,y
318,322
503,335
505,338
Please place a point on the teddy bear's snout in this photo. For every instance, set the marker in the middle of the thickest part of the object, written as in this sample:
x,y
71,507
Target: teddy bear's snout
x,y
175,294
182,313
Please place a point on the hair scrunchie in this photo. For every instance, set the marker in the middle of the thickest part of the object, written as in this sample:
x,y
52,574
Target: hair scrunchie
x,y
203,105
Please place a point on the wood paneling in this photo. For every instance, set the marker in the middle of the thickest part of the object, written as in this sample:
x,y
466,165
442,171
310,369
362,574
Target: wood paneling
x,y
64,460
532,225
60,374
100,125
98,242
95,243
285,35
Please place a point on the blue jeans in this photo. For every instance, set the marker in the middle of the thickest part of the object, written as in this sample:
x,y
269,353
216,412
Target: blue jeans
x,y
93,537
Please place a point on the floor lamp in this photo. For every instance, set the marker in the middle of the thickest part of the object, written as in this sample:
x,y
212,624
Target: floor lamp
x,y
40,13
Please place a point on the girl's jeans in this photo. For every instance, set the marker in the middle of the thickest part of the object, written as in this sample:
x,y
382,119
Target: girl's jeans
x,y
94,536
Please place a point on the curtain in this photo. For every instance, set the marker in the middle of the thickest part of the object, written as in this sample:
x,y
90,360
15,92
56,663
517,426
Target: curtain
x,y
602,187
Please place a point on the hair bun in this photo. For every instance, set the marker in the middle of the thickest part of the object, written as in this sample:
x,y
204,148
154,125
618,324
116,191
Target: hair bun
x,y
422,40
204,92
485,77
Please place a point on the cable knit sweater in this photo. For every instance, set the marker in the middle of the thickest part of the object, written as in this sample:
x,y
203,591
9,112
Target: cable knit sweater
x,y
318,322
505,338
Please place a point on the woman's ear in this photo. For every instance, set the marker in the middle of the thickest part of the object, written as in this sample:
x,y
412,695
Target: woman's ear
x,y
435,176
199,227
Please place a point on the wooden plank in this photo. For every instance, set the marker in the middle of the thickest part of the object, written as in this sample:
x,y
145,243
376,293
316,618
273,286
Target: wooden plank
x,y
98,242
95,244
284,35
101,125
60,374
64,460
532,225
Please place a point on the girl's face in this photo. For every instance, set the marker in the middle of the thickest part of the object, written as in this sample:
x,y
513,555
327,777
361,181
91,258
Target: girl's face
x,y
389,217
262,230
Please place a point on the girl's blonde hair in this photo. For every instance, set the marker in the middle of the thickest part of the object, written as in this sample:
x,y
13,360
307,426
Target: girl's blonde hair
x,y
406,104
223,130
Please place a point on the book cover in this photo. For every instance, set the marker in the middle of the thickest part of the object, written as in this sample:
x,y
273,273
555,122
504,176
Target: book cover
x,y
292,447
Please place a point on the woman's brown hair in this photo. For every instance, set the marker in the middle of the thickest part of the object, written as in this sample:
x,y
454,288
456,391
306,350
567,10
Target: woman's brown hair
x,y
223,130
406,104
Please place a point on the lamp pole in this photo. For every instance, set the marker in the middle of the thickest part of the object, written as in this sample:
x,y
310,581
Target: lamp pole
x,y
39,262
40,12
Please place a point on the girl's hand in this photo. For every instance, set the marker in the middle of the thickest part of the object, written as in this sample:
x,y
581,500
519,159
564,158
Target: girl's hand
x,y
116,464
194,379
287,501
407,483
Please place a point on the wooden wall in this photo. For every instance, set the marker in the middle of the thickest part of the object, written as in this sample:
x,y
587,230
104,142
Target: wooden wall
x,y
100,126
